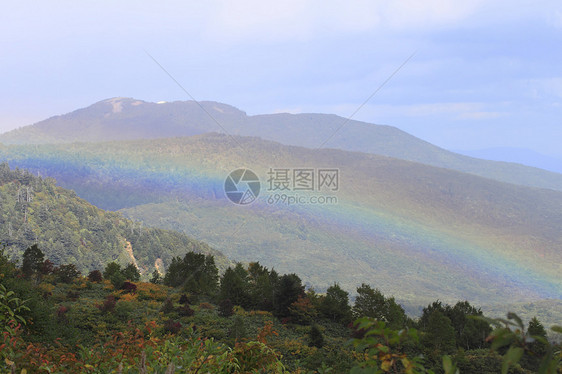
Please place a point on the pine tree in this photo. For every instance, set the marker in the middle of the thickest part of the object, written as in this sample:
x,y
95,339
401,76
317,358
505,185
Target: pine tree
x,y
130,272
335,305
33,258
315,337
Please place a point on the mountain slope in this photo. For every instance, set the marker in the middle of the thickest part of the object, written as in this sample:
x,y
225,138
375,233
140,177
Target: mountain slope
x,y
518,155
129,119
70,230
415,231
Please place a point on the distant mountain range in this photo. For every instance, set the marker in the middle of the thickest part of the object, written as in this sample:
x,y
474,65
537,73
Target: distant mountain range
x,y
415,220
413,230
518,155
131,119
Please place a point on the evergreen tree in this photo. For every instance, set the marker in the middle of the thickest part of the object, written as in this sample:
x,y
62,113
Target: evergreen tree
x,y
470,333
234,288
315,337
439,334
33,258
372,303
156,277
335,305
130,272
237,330
195,273
369,303
66,273
287,292
114,273
538,347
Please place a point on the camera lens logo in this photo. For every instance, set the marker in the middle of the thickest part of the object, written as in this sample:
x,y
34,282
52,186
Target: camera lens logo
x,y
242,186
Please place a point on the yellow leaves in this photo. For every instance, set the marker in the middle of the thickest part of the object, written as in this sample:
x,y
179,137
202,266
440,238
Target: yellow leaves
x,y
386,365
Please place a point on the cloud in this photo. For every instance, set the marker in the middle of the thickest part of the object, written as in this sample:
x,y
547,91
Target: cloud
x,y
546,87
480,115
305,20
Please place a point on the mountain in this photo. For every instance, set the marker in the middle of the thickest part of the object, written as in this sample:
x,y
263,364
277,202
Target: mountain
x,y
415,231
34,210
518,155
130,119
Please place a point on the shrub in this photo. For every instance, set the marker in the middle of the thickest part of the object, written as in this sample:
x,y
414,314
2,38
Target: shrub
x,y
226,308
72,295
207,306
172,326
61,313
108,304
185,311
129,287
167,306
95,276
184,299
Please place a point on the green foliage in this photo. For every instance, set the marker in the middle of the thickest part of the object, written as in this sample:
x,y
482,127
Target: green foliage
x,y
315,337
470,333
510,336
335,305
33,258
439,335
372,303
156,277
35,213
130,272
287,292
115,274
237,330
385,350
195,273
234,286
11,308
66,273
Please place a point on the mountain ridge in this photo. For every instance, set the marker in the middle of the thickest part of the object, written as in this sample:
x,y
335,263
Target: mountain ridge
x,y
434,229
131,119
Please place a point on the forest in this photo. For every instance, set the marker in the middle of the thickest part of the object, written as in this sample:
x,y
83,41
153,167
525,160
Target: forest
x,y
249,319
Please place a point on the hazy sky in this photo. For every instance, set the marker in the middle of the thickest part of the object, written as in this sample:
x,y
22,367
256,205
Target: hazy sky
x,y
485,73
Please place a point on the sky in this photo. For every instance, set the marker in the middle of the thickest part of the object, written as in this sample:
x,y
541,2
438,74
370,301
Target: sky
x,y
483,73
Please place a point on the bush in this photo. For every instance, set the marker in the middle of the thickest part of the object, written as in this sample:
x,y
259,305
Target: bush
x,y
61,313
66,273
185,311
172,326
226,308
129,287
95,276
167,306
184,299
108,304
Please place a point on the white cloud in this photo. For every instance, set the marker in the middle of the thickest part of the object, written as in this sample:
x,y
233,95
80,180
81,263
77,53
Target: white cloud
x,y
555,19
480,115
305,20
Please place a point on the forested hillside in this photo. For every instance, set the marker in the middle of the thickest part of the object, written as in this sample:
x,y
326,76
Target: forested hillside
x,y
121,118
34,210
443,233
